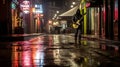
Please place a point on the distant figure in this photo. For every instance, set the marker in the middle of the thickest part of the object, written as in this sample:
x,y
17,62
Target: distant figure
x,y
77,22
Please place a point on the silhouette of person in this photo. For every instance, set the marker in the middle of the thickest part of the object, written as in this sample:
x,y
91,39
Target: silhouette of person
x,y
78,19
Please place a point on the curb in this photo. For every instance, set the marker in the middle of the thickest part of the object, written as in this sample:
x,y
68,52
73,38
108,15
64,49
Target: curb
x,y
107,47
13,38
101,39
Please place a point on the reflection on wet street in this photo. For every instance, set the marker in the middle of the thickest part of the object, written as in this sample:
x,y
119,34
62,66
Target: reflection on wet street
x,y
56,51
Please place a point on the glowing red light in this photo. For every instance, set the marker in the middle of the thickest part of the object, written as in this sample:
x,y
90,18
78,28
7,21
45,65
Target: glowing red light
x,y
87,4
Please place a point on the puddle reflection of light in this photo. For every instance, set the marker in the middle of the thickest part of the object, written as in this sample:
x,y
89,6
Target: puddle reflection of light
x,y
50,41
15,56
63,38
26,56
56,39
38,55
26,59
21,55
37,40
56,56
37,51
28,53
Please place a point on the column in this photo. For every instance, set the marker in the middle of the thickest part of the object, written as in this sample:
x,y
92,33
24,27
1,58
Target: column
x,y
111,34
106,19
5,17
100,18
118,19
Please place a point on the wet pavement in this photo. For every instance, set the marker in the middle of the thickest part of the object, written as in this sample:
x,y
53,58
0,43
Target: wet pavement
x,y
58,51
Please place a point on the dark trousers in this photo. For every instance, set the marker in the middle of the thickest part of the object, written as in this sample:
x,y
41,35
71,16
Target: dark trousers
x,y
78,35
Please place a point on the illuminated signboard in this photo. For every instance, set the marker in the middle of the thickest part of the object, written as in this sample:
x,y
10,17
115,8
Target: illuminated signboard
x,y
88,4
13,5
38,9
25,6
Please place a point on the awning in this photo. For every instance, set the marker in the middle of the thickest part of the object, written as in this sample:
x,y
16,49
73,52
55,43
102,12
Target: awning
x,y
70,12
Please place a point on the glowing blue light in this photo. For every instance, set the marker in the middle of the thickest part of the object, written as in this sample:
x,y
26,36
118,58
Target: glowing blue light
x,y
38,8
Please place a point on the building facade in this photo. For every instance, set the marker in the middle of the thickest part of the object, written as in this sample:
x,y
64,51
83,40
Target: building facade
x,y
5,17
21,16
102,18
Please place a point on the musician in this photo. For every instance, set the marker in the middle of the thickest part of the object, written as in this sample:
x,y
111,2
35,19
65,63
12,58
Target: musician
x,y
78,19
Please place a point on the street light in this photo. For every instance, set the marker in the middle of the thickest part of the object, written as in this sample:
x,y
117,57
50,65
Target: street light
x,y
71,6
57,11
73,3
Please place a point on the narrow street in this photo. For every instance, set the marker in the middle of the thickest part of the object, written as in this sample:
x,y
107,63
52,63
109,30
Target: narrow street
x,y
58,51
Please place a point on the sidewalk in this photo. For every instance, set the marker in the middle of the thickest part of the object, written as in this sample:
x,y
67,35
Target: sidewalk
x,y
95,37
100,38
112,44
18,37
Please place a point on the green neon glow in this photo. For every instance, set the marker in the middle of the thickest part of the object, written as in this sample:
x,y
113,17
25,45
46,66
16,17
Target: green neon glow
x,y
13,5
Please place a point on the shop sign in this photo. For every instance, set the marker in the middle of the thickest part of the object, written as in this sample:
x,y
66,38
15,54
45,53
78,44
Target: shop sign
x,y
38,8
25,6
87,4
13,5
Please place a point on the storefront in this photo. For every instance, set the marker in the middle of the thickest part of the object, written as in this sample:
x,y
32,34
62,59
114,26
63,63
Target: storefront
x,y
37,16
115,24
93,20
14,16
102,18
110,18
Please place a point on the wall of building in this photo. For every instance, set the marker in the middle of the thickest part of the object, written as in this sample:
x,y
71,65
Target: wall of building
x,y
102,19
5,17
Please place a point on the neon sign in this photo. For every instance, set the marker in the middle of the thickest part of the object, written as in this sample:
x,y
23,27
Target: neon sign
x,y
38,8
25,6
88,4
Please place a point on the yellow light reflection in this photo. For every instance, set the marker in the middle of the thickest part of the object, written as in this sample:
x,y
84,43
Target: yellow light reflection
x,y
56,56
56,39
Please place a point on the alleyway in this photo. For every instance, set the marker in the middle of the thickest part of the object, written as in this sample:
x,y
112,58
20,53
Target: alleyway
x,y
58,51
